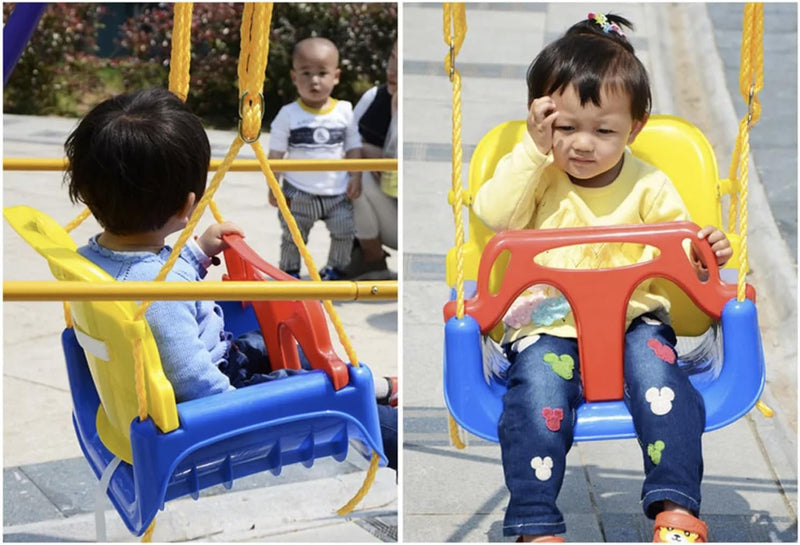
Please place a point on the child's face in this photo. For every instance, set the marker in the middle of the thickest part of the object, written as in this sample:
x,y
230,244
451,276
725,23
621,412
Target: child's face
x,y
589,140
315,73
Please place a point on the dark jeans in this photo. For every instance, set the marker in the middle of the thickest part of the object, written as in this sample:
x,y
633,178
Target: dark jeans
x,y
535,428
248,364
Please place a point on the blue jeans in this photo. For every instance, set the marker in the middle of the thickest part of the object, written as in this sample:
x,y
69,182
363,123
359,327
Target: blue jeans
x,y
536,426
247,363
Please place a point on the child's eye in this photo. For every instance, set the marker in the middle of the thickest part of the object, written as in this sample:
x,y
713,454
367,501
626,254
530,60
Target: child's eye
x,y
605,131
564,128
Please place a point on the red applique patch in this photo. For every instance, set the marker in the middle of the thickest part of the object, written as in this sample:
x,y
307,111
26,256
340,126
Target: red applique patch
x,y
553,418
662,351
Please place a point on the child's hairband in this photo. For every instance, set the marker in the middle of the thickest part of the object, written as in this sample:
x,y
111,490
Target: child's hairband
x,y
602,22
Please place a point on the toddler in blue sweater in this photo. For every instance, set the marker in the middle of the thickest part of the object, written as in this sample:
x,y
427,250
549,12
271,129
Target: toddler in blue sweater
x,y
139,161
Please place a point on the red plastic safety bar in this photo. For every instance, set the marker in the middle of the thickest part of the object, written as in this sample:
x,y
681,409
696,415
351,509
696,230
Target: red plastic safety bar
x,y
285,324
598,297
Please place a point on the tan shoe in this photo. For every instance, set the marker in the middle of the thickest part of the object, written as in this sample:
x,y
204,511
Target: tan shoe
x,y
677,527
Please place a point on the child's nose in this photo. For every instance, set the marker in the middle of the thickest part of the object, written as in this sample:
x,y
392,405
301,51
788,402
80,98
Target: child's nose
x,y
583,142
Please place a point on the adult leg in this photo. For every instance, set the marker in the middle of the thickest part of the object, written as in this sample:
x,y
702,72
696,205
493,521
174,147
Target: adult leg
x,y
306,210
376,226
364,212
536,431
668,415
376,214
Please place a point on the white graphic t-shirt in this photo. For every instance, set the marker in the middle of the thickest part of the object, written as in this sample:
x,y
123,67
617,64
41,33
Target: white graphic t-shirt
x,y
306,133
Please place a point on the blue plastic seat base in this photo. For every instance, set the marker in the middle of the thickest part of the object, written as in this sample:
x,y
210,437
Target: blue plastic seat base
x,y
477,404
226,436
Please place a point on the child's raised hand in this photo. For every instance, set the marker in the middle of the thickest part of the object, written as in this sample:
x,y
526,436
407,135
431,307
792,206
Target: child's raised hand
x,y
541,116
211,240
720,244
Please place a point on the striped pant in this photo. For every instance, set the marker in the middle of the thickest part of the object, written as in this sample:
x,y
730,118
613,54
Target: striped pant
x,y
337,213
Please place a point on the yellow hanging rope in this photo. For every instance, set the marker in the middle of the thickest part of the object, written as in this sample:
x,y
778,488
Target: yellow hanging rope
x,y
181,52
455,30
147,537
252,65
85,213
751,81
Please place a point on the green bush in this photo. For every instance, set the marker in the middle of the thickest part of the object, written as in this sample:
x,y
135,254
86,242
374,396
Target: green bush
x,y
57,72
64,77
363,32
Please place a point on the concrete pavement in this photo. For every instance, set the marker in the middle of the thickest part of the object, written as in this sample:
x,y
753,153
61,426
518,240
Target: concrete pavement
x,y
750,484
48,489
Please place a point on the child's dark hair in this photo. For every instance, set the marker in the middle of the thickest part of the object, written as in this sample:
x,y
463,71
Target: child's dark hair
x,y
134,159
591,57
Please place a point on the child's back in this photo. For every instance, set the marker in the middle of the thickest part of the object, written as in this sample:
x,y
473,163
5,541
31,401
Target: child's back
x,y
139,162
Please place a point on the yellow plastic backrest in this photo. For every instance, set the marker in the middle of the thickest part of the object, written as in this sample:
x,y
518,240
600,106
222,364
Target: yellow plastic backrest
x,y
671,144
107,331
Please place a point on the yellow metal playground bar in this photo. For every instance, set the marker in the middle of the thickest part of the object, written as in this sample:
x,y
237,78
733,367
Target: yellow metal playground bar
x,y
217,290
239,165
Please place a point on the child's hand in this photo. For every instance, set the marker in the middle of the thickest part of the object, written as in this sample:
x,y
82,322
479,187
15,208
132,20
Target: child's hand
x,y
272,200
541,116
211,241
353,188
720,244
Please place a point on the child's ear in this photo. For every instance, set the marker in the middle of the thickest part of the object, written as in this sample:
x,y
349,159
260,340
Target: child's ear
x,y
293,77
188,207
636,128
336,76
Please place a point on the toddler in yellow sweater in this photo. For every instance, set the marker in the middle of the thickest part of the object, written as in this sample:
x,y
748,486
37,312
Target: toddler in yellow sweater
x,y
588,98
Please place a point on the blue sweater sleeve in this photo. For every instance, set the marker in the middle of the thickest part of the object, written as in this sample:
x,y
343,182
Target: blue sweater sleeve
x,y
189,353
190,335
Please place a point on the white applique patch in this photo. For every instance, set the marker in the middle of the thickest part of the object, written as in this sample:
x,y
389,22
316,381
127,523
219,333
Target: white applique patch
x,y
525,342
650,321
543,467
660,400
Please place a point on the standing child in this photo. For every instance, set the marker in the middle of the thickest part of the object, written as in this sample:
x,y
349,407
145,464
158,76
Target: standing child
x,y
588,98
317,126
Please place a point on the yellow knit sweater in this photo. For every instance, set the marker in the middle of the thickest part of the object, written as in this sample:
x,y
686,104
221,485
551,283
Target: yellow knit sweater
x,y
528,191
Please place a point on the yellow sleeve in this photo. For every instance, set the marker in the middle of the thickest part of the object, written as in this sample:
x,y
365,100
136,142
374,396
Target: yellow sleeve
x,y
508,199
665,205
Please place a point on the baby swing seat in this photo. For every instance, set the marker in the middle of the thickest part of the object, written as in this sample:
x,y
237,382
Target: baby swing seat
x,y
499,270
182,448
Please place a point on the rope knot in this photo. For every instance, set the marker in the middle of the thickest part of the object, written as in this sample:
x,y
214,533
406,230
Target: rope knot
x,y
251,114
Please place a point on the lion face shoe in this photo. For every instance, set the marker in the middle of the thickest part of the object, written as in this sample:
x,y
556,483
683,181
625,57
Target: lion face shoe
x,y
676,527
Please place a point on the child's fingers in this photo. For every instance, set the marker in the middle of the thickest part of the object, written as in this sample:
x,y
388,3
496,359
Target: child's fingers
x,y
542,108
229,228
723,255
705,231
550,119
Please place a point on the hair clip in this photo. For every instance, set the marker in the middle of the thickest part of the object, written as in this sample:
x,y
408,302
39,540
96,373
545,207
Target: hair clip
x,y
602,22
